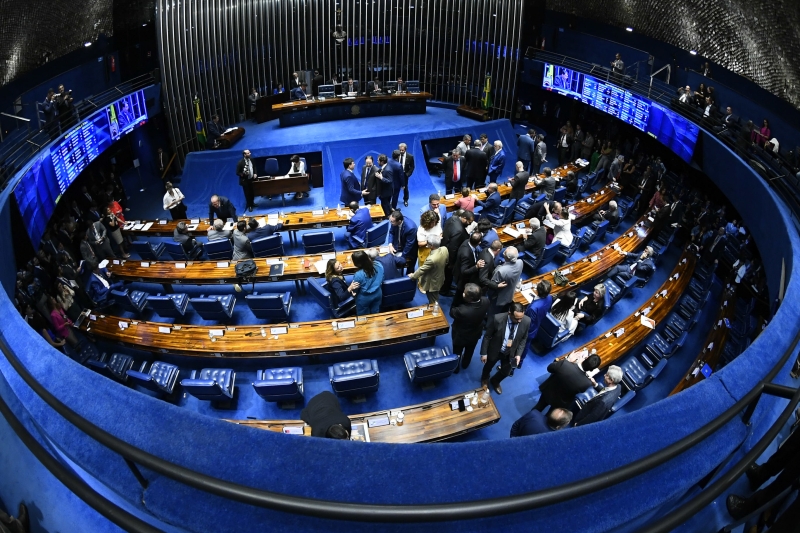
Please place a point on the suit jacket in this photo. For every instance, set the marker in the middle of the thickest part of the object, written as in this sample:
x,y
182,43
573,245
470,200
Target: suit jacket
x,y
491,205
240,171
398,174
537,311
430,274
477,165
469,320
242,249
465,269
214,235
453,234
644,267
215,130
87,252
547,186
266,230
351,188
322,412
392,266
598,407
386,182
495,335
404,239
531,423
510,273
448,170
358,226
252,98
488,149
525,148
224,211
97,291
298,94
346,88
539,156
369,182
373,87
486,273
409,167
316,81
518,184
536,242
565,381
496,165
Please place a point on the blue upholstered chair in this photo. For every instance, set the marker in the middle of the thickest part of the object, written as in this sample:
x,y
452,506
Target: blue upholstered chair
x,y
130,300
318,288
548,335
376,235
398,291
565,252
214,307
279,384
505,213
354,378
169,305
430,364
116,366
270,306
160,378
622,401
524,203
219,249
83,352
548,254
582,398
560,194
175,251
268,246
147,251
271,167
212,384
635,373
318,242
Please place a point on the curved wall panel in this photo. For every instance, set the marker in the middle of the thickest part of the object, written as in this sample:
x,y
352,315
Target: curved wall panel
x,y
219,49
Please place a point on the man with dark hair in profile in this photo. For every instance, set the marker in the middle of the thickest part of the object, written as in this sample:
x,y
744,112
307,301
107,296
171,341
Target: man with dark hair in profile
x,y
469,319
567,378
324,414
534,422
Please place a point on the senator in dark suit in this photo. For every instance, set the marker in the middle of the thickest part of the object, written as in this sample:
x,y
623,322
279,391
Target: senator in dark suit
x,y
246,170
566,379
454,232
491,206
465,268
351,188
385,176
360,222
526,148
477,166
536,241
406,161
369,182
403,239
469,319
486,272
504,342
534,422
600,406
222,208
393,265
519,181
299,93
498,162
324,414
640,265
454,170
398,176
214,129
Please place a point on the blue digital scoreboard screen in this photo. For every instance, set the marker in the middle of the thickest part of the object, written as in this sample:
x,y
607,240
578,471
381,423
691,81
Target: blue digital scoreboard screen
x,y
49,176
671,129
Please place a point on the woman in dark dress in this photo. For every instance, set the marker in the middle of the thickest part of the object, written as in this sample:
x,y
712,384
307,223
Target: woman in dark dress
x,y
591,307
337,286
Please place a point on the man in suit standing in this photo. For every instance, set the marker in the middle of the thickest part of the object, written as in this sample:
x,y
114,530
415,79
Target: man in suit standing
x,y
316,81
463,146
252,98
369,183
453,171
486,147
398,177
477,163
519,181
469,319
351,189
507,277
221,207
215,130
598,407
536,239
245,169
454,232
577,142
498,162
567,378
430,274
407,163
535,423
491,206
385,179
360,222
526,148
403,239
296,81
486,273
540,155
504,342
467,264
564,144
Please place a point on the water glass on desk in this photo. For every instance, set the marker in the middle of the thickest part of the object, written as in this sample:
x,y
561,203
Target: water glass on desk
x,y
400,418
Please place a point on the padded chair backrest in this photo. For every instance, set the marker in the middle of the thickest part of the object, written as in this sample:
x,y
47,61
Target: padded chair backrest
x,y
601,230
122,299
146,250
550,251
318,288
317,242
376,235
275,384
508,214
559,194
175,250
269,306
173,305
548,330
268,246
219,249
398,291
612,289
211,308
271,167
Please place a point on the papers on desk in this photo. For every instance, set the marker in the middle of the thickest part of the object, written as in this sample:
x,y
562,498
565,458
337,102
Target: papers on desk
x,y
128,225
223,264
578,356
123,325
137,227
195,221
228,225
230,130
180,265
649,322
145,264
528,295
103,263
192,227
317,213
511,231
347,324
320,266
271,219
378,421
162,222
449,196
383,250
279,330
147,226
415,314
271,262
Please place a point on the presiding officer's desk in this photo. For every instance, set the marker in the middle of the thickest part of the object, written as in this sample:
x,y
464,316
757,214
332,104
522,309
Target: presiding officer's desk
x,y
611,348
226,140
292,221
505,189
425,422
269,340
338,108
590,267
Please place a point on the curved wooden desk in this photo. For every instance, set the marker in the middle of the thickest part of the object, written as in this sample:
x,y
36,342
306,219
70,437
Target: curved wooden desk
x,y
425,422
610,348
301,338
585,270
337,108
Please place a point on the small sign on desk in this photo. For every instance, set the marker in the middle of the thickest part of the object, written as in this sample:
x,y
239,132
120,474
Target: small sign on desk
x,y
164,329
278,331
415,314
223,264
180,265
328,257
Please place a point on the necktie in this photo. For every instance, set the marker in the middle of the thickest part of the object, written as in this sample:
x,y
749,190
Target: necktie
x,y
455,171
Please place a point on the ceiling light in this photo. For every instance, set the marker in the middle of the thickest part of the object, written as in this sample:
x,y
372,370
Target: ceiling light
x,y
628,29
693,52
87,44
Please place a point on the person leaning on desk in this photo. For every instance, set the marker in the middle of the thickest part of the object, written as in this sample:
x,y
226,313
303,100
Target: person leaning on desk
x,y
324,414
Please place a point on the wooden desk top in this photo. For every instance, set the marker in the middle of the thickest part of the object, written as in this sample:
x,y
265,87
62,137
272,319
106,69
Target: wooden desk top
x,y
295,220
426,422
584,270
301,338
305,104
221,272
611,348
505,189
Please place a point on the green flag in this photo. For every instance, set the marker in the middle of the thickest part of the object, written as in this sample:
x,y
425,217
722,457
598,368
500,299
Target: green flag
x,y
199,124
486,97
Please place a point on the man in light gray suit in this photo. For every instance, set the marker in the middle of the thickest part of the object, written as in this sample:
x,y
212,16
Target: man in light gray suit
x,y
216,233
241,243
509,272
539,154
